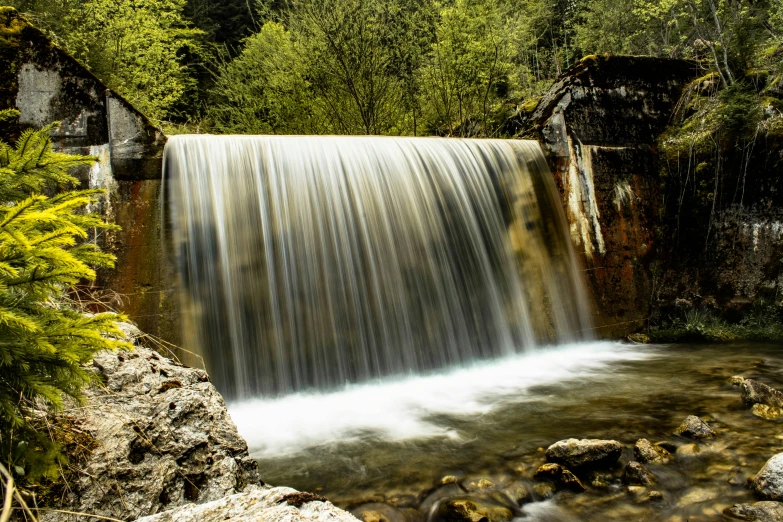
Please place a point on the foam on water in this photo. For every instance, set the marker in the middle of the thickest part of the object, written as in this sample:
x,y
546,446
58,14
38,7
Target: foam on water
x,y
402,408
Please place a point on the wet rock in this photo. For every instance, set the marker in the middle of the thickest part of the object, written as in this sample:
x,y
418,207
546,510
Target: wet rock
x,y
518,494
600,479
647,452
694,428
638,338
754,392
544,490
450,490
560,477
768,482
470,510
697,496
766,511
689,450
736,380
575,453
448,479
637,491
654,496
478,485
381,512
164,439
636,474
766,411
256,504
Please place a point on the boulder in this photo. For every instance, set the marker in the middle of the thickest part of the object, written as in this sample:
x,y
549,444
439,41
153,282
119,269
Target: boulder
x,y
649,453
162,438
765,511
768,482
636,474
694,428
257,504
560,477
754,392
575,453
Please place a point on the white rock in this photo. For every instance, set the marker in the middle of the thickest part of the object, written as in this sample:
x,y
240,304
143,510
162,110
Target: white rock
x,y
256,504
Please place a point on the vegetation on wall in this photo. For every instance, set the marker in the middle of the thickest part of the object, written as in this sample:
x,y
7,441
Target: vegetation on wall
x,y
44,340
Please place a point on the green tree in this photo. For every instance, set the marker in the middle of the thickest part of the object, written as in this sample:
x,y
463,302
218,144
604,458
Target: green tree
x,y
44,342
265,90
470,71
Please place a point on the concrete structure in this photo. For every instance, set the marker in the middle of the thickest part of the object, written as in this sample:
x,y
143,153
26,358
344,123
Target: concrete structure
x,y
46,84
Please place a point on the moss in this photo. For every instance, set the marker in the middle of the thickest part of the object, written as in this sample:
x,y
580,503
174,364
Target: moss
x,y
528,106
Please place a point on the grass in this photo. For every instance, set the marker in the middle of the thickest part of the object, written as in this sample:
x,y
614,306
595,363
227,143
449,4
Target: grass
x,y
762,323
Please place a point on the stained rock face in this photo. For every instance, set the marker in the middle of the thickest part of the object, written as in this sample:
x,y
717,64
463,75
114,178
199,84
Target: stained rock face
x,y
257,504
647,452
575,453
768,482
766,511
694,428
164,438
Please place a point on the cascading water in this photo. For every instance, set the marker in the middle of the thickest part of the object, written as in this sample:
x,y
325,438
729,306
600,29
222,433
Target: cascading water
x,y
309,262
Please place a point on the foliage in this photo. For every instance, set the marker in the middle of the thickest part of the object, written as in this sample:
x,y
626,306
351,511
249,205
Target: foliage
x,y
469,71
764,322
264,90
43,254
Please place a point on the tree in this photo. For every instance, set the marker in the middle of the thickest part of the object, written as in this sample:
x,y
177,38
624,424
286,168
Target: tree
x,y
44,342
469,72
265,90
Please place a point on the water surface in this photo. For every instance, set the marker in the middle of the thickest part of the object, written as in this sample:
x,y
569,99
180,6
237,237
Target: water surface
x,y
395,439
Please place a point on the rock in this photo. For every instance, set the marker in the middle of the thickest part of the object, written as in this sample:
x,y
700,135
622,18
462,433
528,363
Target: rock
x,y
754,392
450,490
163,438
574,453
646,452
697,496
636,474
560,477
636,491
257,504
381,512
478,485
470,510
638,338
518,493
654,496
689,450
600,479
448,479
765,511
544,490
768,482
736,380
694,428
766,411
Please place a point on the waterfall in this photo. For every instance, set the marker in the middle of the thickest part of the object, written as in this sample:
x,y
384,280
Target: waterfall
x,y
311,262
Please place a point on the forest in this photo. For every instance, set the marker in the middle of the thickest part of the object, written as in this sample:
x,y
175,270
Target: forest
x,y
407,67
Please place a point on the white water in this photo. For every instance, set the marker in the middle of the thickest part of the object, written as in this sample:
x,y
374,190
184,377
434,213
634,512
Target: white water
x,y
400,409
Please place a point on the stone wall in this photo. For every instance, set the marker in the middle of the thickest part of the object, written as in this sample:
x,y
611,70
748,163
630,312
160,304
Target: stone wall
x,y
46,84
598,125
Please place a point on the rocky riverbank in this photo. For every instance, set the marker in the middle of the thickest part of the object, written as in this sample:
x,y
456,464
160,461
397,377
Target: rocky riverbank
x,y
155,438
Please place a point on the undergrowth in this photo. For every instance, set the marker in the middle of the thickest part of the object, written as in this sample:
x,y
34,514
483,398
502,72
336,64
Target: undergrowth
x,y
764,322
